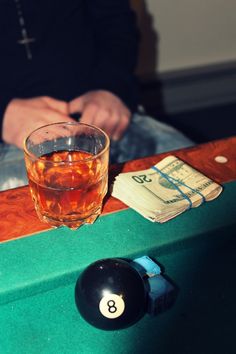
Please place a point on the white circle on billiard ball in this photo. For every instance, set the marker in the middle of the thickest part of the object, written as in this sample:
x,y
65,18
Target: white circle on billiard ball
x,y
221,159
111,306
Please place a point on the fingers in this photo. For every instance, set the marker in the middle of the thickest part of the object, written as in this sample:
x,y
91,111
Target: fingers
x,y
104,110
76,105
113,123
121,127
57,105
89,114
50,116
102,119
45,117
22,116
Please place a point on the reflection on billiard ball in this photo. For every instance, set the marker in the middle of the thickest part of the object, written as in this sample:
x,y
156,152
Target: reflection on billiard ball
x,y
110,294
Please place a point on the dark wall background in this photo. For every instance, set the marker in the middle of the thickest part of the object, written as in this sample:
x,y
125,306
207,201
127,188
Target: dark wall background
x,y
214,121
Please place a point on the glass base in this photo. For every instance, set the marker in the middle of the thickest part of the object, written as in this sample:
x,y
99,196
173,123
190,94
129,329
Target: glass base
x,y
73,224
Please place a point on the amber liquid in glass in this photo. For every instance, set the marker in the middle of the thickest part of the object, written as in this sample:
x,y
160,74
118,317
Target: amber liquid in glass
x,y
68,187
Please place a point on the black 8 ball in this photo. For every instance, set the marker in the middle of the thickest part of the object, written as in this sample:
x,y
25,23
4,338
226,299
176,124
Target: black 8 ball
x,y
110,294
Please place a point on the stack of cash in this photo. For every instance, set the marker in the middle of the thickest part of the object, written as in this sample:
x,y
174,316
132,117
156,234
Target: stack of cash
x,y
165,190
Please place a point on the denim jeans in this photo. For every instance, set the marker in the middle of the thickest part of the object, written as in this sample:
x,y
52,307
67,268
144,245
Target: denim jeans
x,y
12,170
145,136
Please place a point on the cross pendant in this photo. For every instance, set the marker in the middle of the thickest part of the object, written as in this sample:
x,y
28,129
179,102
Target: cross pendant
x,y
26,42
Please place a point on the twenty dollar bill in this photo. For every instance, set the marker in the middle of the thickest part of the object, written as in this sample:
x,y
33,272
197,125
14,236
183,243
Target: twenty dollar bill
x,y
165,190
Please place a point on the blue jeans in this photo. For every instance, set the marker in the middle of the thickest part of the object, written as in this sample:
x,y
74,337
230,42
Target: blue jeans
x,y
144,137
12,167
147,136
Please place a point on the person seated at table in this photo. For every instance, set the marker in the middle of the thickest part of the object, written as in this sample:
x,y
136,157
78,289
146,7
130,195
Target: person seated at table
x,y
59,59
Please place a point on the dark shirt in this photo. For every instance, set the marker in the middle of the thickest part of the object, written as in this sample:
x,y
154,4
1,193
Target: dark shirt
x,y
79,46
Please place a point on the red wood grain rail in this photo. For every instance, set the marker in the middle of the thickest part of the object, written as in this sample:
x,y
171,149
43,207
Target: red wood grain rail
x,y
18,217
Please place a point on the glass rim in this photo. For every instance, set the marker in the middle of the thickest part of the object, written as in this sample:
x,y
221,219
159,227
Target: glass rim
x,y
31,155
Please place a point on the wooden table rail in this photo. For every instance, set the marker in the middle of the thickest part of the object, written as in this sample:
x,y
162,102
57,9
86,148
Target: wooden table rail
x,y
19,219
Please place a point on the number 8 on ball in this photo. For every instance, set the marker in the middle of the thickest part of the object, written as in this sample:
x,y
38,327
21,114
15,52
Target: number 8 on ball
x,y
112,306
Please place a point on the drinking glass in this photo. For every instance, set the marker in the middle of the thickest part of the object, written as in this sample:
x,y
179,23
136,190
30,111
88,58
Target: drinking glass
x,y
67,167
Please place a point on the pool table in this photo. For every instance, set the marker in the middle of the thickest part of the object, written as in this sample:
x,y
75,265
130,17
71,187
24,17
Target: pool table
x,y
196,251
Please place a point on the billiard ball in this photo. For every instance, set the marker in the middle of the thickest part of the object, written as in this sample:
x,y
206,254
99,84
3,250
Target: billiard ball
x,y
110,294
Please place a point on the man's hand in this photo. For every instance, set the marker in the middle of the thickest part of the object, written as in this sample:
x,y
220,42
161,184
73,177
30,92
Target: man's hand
x,y
104,110
22,116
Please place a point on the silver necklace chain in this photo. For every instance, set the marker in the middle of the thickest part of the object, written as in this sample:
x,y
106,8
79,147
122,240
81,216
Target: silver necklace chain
x,y
25,40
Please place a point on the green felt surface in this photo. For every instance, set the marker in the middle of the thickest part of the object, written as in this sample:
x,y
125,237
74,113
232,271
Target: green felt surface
x,y
197,250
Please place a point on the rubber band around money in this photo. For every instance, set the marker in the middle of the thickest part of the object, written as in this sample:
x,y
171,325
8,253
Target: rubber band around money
x,y
171,179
